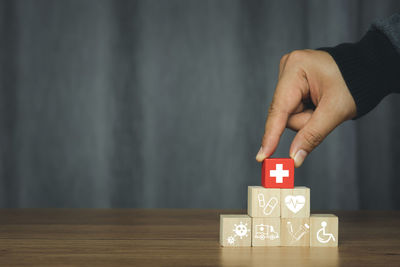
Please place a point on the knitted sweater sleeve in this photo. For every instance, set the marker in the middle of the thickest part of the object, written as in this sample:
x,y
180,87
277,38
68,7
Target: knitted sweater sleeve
x,y
371,66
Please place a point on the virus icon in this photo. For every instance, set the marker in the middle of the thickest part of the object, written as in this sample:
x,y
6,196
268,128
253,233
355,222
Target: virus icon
x,y
240,230
231,240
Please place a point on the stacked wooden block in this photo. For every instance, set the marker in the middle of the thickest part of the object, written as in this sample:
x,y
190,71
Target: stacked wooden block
x,y
278,214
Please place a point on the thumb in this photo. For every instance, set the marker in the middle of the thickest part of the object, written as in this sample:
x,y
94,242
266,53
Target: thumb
x,y
321,123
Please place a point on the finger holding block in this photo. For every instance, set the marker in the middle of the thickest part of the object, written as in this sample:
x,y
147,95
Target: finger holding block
x,y
324,230
266,232
295,232
263,202
235,230
295,203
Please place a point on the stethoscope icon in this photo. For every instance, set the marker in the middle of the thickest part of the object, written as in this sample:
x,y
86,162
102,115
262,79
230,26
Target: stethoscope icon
x,y
324,234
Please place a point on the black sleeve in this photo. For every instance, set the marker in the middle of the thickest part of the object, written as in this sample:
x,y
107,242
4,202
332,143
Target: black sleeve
x,y
370,68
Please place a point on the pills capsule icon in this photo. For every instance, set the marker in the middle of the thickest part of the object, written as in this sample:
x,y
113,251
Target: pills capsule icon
x,y
270,206
261,200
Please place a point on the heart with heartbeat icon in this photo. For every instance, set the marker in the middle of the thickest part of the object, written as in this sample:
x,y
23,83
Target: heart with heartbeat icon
x,y
295,203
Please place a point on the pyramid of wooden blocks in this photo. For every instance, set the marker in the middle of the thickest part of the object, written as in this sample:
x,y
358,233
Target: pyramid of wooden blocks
x,y
279,214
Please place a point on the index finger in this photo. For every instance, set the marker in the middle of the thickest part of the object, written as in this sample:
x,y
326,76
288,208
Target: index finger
x,y
286,99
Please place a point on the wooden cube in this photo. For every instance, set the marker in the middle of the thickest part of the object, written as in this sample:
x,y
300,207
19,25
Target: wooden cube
x,y
324,230
263,202
235,230
295,232
266,232
277,173
295,203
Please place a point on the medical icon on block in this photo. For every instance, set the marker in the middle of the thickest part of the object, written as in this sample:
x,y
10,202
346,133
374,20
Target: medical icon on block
x,y
295,203
269,207
324,237
235,230
266,232
298,234
295,232
263,202
279,214
277,173
324,230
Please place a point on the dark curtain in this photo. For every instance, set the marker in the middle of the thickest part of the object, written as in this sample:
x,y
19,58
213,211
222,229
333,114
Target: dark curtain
x,y
163,104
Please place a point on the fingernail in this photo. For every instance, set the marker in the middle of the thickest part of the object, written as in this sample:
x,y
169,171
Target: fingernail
x,y
299,158
260,155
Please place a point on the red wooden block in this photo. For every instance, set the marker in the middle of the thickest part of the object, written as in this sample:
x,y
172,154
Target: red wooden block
x,y
277,173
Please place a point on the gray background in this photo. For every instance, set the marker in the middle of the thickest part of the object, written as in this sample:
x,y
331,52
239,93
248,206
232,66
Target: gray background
x,y
163,103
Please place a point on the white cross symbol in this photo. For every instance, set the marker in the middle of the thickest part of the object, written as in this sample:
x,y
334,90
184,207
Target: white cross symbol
x,y
279,173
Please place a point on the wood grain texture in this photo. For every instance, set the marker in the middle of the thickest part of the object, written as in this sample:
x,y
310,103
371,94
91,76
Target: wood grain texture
x,y
266,232
228,224
295,232
263,202
127,237
304,212
331,222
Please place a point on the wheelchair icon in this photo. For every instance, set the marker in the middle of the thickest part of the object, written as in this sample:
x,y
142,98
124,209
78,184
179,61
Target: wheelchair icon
x,y
324,237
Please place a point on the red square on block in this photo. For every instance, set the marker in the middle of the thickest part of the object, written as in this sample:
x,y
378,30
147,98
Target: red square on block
x,y
277,173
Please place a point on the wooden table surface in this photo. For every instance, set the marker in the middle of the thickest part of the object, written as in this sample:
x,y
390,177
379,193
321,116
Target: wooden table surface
x,y
134,237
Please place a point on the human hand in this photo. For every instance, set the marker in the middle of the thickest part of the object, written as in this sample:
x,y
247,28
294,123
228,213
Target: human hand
x,y
306,77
